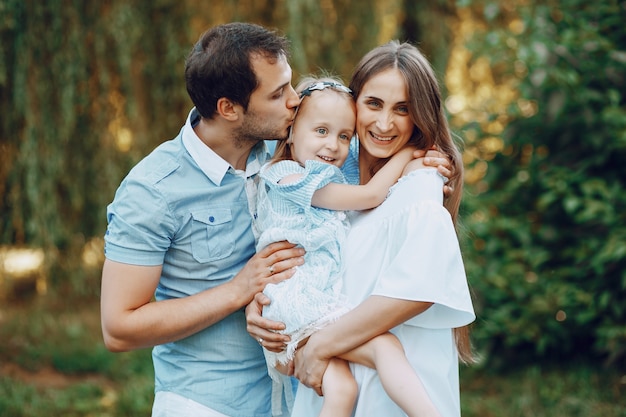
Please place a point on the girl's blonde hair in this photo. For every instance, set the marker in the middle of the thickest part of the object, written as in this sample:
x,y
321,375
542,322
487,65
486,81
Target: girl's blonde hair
x,y
305,88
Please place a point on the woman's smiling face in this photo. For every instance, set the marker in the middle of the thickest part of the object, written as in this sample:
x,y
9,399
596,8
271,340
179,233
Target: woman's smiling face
x,y
383,122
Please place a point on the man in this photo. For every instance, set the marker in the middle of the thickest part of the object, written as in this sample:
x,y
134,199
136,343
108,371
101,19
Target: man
x,y
180,230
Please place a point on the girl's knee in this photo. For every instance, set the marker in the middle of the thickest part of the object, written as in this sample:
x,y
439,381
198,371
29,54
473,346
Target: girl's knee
x,y
339,381
388,341
348,388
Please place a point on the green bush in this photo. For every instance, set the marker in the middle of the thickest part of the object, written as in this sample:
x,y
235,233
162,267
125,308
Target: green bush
x,y
546,228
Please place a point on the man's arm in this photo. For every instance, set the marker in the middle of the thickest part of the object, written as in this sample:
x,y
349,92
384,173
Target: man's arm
x,y
131,320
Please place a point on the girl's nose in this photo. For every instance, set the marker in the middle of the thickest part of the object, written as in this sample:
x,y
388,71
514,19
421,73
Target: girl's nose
x,y
332,142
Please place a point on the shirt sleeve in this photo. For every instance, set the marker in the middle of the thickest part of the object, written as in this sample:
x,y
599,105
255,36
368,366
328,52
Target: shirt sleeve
x,y
425,262
140,225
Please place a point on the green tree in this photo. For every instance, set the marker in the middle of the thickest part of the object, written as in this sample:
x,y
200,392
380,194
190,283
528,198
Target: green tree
x,y
547,224
71,80
89,88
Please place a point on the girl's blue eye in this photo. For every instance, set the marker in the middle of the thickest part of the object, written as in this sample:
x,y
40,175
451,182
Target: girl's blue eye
x,y
321,130
345,137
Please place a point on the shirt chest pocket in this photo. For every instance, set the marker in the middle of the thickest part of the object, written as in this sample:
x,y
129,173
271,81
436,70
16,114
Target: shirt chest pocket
x,y
212,234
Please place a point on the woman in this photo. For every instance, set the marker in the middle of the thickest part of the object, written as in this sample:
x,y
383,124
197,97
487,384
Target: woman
x,y
404,271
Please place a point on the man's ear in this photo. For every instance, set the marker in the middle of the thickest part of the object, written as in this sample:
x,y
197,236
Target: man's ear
x,y
228,110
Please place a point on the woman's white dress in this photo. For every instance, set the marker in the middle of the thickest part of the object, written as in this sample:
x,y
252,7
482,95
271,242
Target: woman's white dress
x,y
407,248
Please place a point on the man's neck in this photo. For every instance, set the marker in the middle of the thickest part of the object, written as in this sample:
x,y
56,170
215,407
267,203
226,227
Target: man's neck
x,y
223,142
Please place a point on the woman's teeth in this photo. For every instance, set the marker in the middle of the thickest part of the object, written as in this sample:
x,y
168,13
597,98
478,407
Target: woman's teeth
x,y
381,138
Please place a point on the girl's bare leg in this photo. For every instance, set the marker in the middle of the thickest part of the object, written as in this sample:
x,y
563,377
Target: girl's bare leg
x,y
385,354
339,389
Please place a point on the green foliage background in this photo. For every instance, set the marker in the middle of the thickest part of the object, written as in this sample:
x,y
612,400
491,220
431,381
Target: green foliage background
x,y
88,88
547,225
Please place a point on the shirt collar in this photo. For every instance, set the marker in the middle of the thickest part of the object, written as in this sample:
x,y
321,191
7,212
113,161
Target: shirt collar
x,y
213,165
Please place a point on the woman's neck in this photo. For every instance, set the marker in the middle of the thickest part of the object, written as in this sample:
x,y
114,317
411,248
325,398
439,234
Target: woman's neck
x,y
366,163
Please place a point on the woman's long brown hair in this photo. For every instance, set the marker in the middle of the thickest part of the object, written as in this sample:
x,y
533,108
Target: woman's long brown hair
x,y
430,126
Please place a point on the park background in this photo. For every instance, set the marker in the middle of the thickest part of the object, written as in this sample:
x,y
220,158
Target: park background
x,y
535,90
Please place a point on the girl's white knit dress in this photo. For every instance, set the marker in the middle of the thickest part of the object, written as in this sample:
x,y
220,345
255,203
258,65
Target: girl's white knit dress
x,y
312,297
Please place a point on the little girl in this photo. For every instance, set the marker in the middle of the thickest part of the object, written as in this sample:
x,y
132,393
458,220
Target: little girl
x,y
301,199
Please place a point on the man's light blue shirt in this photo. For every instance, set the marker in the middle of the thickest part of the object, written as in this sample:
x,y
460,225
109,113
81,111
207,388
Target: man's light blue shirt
x,y
187,209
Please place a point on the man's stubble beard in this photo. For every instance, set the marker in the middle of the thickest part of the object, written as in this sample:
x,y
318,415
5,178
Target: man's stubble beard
x,y
252,132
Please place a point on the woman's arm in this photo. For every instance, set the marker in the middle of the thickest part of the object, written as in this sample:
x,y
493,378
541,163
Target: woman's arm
x,y
336,196
374,316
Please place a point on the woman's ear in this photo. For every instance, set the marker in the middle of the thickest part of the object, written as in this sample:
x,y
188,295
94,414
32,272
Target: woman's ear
x,y
228,110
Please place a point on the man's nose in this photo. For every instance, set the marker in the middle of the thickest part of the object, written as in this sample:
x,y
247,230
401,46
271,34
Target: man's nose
x,y
293,100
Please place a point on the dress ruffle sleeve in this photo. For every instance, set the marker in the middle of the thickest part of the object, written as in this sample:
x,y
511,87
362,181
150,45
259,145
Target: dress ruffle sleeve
x,y
424,259
285,211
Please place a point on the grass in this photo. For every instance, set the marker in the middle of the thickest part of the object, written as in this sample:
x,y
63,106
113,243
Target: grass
x,y
580,390
53,363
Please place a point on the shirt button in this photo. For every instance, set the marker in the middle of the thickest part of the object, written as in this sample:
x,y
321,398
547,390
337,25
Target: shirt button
x,y
211,219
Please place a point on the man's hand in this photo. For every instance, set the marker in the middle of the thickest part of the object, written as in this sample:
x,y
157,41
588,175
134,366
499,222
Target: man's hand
x,y
262,329
272,264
